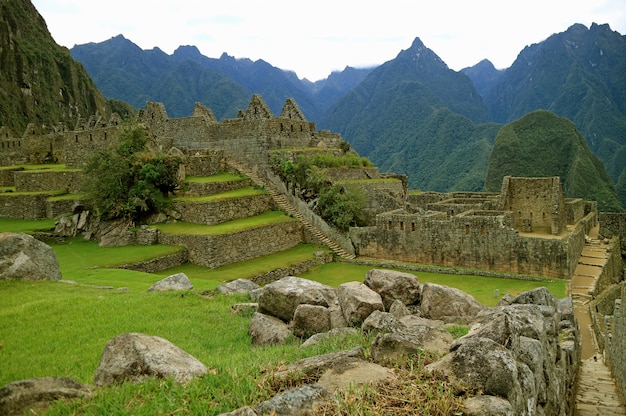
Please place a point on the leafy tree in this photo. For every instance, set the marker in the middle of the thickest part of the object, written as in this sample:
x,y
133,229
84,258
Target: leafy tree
x,y
129,182
341,206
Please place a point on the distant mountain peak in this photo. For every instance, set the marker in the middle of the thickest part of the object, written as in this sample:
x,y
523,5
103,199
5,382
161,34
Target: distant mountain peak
x,y
420,54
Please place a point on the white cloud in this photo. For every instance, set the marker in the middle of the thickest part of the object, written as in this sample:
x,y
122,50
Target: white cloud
x,y
314,38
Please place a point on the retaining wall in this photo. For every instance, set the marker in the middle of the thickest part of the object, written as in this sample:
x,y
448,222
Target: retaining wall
x,y
219,250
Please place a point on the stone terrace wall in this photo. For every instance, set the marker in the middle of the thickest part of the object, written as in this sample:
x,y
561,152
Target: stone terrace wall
x,y
213,188
219,250
221,210
46,180
26,207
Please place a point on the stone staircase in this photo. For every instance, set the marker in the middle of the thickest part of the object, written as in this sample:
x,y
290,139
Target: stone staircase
x,y
596,391
282,203
597,394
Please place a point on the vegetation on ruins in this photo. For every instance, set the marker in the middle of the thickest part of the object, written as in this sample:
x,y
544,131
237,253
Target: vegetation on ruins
x,y
339,205
130,181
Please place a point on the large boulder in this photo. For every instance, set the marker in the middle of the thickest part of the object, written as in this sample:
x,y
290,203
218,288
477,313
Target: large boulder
x,y
136,357
393,285
35,395
354,373
265,329
309,320
24,257
282,297
237,286
358,301
178,281
388,347
448,304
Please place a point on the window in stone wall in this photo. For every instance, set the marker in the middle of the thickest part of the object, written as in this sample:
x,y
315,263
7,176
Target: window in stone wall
x,y
105,135
412,226
401,226
90,137
390,225
76,138
467,229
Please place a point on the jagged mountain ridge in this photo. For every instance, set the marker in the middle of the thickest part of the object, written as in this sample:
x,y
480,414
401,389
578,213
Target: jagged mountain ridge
x,y
124,71
40,83
423,100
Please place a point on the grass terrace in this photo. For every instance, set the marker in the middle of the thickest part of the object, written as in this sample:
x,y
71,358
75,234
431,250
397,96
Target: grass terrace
x,y
237,193
185,228
220,177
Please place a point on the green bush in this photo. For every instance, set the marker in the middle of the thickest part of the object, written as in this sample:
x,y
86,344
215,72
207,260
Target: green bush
x,y
130,182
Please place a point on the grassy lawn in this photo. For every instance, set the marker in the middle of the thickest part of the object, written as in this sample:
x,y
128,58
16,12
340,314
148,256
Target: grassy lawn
x,y
237,193
25,226
59,329
220,177
267,218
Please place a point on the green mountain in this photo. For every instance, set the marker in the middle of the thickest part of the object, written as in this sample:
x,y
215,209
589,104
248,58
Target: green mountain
x,y
414,115
543,144
579,74
40,83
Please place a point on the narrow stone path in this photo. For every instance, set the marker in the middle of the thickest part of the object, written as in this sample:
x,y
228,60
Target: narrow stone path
x,y
596,393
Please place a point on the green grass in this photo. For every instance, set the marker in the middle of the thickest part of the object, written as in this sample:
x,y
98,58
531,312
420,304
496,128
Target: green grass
x,y
25,226
66,197
53,193
57,167
267,218
58,329
220,177
236,193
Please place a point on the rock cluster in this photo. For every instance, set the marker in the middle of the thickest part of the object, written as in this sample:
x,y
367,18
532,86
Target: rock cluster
x,y
519,358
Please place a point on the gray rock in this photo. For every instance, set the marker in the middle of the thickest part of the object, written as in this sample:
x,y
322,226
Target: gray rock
x,y
486,366
358,302
398,309
135,357
318,363
335,332
448,304
393,285
115,233
178,281
24,257
237,286
487,406
539,296
282,297
37,394
353,373
297,401
266,330
309,320
389,347
379,321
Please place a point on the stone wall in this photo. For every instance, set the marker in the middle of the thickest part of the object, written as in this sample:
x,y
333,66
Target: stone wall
x,y
56,207
613,224
295,270
615,348
23,206
536,203
223,209
472,241
157,265
45,180
219,250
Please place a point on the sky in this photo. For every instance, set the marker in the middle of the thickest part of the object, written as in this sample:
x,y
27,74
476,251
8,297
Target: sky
x,y
314,38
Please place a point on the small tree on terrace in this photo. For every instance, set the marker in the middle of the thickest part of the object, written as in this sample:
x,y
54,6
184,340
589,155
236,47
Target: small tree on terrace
x,y
130,182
